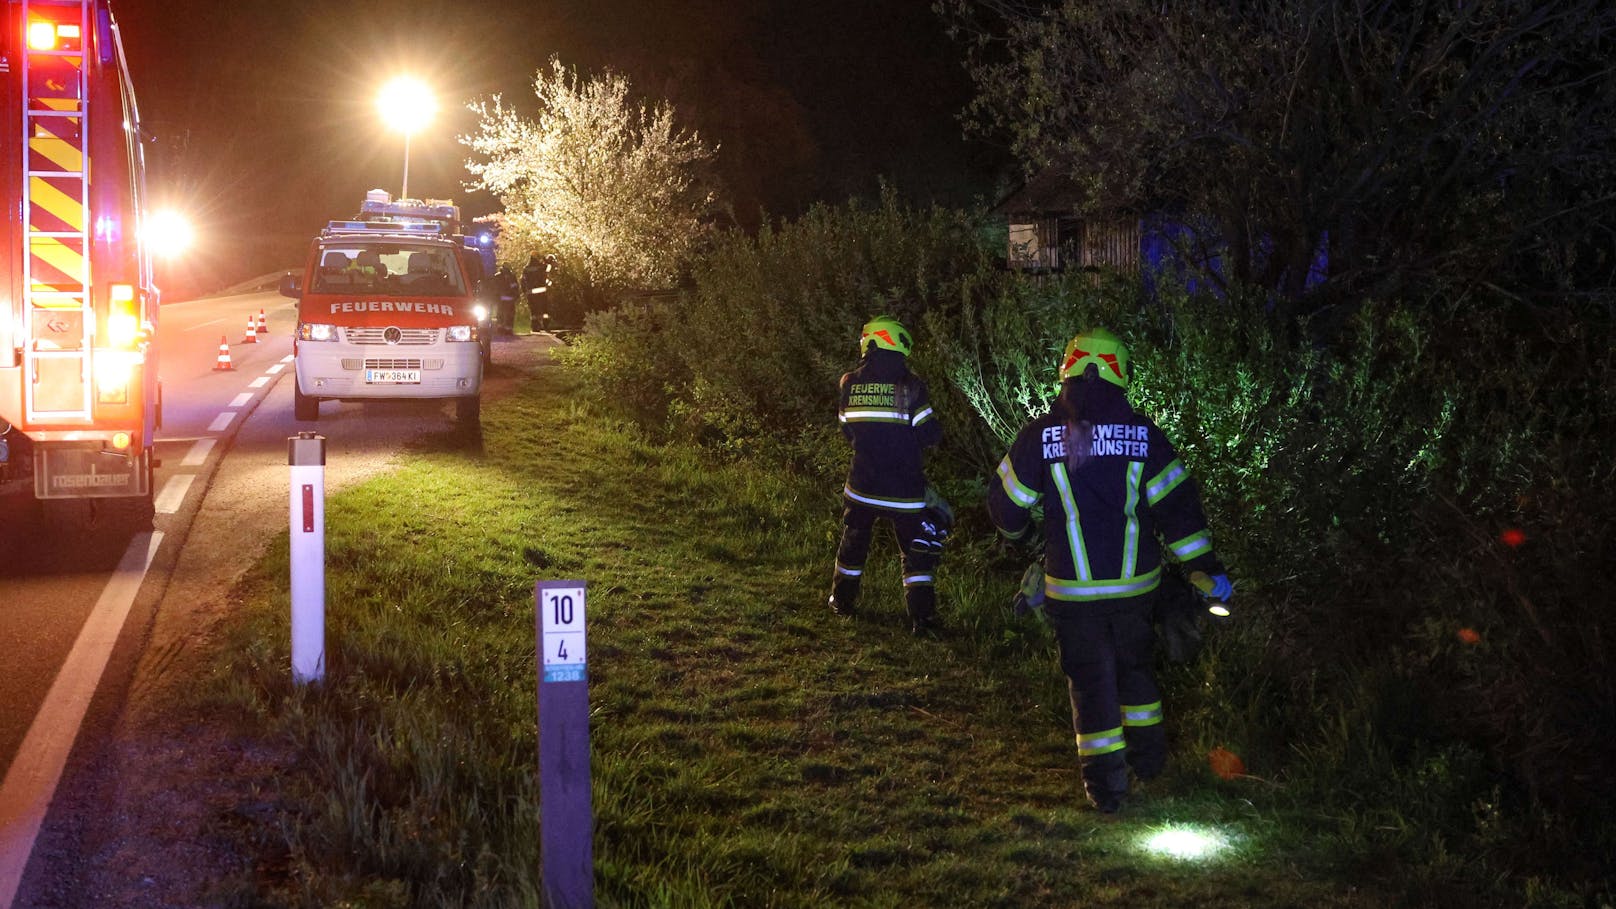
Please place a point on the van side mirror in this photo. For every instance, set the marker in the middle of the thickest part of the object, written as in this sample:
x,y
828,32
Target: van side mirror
x,y
291,285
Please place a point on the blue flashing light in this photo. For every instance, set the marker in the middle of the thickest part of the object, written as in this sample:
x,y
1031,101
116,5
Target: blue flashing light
x,y
485,239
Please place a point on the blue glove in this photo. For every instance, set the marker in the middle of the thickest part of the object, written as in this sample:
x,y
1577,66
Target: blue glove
x,y
1222,588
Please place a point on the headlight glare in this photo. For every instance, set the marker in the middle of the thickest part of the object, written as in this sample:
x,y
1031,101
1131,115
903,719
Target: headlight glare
x,y
316,331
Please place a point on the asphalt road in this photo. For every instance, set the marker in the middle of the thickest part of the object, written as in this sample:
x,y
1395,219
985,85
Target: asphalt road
x,y
74,602
66,718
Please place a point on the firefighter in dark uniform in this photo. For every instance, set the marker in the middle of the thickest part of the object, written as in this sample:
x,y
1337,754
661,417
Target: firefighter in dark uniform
x,y
535,286
885,412
1109,483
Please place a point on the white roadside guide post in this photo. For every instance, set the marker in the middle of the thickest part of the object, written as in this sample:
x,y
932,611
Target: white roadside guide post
x,y
566,822
305,453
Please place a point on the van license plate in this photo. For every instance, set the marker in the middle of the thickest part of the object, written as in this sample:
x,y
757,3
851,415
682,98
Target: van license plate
x,y
392,377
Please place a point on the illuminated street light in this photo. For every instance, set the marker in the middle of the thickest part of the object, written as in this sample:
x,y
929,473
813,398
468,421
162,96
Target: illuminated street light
x,y
406,104
169,233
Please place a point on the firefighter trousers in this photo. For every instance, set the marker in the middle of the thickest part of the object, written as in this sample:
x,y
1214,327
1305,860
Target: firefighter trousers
x,y
920,551
1106,650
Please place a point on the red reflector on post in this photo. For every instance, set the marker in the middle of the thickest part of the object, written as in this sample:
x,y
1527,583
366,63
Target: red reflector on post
x,y
308,508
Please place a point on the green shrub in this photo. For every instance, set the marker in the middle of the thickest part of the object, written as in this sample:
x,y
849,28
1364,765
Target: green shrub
x,y
1358,474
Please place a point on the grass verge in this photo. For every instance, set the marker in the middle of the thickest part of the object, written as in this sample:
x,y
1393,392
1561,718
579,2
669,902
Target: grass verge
x,y
749,748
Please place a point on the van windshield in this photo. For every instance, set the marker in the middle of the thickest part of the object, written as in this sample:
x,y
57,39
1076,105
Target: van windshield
x,y
389,268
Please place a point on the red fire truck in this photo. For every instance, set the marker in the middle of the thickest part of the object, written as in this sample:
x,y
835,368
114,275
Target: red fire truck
x,y
78,310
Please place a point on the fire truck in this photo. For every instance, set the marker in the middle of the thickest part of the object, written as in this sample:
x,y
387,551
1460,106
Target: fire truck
x,y
388,308
79,395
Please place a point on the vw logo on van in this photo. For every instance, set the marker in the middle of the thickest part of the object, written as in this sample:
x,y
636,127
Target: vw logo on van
x,y
392,335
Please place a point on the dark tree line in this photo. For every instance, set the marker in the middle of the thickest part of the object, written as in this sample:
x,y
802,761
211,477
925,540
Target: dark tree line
x,y
1455,146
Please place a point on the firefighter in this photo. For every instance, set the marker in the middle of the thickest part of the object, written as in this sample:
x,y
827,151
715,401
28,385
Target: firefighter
x,y
1109,483
885,413
535,284
506,287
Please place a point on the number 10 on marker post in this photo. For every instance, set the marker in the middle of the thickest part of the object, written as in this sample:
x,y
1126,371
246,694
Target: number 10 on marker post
x,y
566,821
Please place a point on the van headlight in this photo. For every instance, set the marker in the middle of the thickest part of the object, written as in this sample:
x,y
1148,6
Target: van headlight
x,y
462,333
316,331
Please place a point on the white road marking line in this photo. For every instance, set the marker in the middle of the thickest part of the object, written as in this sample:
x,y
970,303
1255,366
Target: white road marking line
x,y
198,455
259,382
276,368
173,495
222,421
288,358
204,324
30,783
241,400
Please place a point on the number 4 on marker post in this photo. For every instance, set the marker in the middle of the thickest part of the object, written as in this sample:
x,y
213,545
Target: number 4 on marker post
x,y
566,822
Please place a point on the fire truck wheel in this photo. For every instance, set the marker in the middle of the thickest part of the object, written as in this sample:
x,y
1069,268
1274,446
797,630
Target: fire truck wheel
x,y
306,409
468,411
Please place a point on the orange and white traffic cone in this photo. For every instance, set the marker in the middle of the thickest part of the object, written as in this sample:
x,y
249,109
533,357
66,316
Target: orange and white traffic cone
x,y
251,337
263,324
224,355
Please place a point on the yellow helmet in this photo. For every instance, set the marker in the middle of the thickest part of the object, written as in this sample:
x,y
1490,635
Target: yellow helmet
x,y
1103,349
887,333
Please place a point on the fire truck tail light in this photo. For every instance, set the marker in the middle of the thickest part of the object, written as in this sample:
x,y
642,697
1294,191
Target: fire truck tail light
x,y
123,326
112,373
67,32
42,36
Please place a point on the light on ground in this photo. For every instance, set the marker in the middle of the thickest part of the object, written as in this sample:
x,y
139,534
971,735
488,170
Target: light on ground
x,y
1185,843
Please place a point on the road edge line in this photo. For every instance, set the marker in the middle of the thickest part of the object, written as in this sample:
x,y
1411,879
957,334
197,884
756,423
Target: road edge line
x,y
31,780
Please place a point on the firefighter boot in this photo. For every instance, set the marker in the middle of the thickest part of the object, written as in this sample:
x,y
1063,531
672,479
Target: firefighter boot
x,y
844,594
1147,747
1105,779
921,601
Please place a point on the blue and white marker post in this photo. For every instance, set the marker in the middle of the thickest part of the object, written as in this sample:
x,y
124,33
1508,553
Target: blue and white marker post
x,y
566,820
305,453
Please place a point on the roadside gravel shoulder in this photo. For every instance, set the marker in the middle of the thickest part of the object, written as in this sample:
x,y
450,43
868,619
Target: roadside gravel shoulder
x,y
154,808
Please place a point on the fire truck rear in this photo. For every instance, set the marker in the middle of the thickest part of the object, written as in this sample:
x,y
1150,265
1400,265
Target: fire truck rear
x,y
78,310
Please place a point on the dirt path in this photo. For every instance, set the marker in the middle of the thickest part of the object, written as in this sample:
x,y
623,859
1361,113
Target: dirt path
x,y
141,822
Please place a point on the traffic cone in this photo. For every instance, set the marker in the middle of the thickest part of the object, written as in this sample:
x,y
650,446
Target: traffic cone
x,y
263,324
224,355
251,337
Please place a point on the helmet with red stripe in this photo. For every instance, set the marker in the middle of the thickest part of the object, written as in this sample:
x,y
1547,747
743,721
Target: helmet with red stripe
x,y
1101,348
886,333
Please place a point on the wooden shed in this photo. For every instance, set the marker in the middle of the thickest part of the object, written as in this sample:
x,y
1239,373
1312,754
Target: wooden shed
x,y
1046,234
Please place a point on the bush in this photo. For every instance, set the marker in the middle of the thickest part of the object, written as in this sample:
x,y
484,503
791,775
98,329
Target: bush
x,y
1360,484
1359,476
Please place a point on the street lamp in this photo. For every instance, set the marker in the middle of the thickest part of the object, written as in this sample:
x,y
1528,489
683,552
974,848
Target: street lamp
x,y
406,104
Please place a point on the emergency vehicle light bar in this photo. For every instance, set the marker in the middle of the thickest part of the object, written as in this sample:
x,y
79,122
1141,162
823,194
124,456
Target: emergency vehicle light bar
x,y
423,228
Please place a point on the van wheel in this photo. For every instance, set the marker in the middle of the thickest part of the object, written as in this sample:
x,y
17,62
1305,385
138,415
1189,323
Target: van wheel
x,y
468,411
305,408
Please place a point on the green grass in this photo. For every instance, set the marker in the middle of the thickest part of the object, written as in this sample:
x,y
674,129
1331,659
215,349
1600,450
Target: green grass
x,y
749,748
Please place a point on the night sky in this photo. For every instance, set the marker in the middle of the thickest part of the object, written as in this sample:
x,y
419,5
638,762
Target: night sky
x,y
262,121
